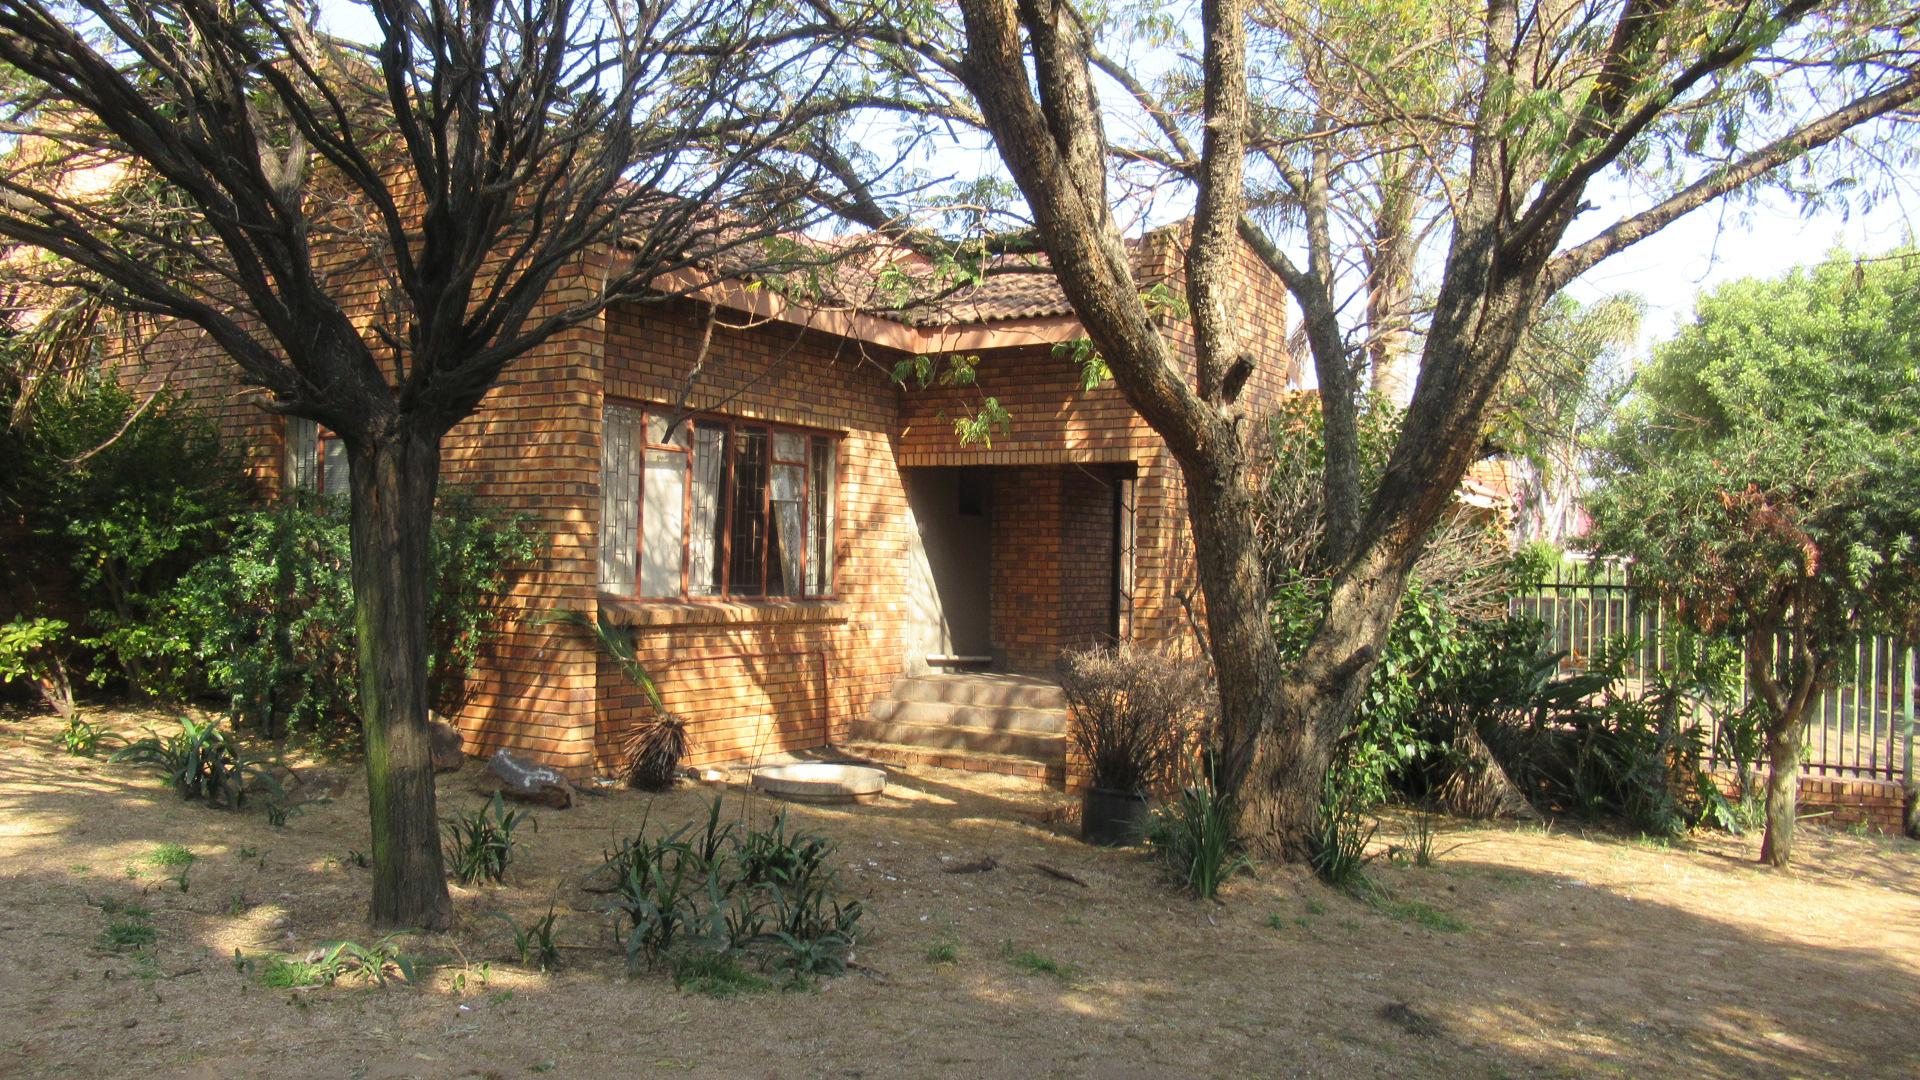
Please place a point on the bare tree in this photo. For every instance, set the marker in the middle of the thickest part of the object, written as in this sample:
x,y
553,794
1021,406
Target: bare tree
x,y
373,234
1543,100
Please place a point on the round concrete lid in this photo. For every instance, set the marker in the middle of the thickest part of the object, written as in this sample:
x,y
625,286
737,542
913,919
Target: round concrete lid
x,y
820,781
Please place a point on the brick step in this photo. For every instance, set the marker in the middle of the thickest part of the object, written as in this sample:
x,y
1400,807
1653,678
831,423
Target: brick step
x,y
1052,773
992,690
953,736
982,717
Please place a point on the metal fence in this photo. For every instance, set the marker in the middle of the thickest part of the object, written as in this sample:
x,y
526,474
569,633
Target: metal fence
x,y
1861,727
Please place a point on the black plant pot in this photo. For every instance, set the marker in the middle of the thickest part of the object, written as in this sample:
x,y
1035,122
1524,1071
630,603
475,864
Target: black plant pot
x,y
1113,818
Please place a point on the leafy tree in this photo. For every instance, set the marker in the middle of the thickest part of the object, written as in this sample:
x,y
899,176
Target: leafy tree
x,y
1566,380
1764,475
496,174
1519,111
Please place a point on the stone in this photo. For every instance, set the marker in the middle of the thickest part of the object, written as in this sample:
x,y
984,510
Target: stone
x,y
523,781
448,751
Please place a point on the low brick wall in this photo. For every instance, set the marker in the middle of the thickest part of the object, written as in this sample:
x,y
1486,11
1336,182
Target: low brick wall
x,y
1879,804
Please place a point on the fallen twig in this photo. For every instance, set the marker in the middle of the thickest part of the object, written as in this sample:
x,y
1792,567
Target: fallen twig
x,y
1056,872
978,866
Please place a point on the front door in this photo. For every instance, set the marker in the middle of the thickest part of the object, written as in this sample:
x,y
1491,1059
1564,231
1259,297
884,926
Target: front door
x,y
950,576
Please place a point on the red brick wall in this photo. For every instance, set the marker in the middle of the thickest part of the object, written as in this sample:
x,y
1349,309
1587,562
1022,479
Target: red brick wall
x,y
1052,561
1878,804
757,678
763,677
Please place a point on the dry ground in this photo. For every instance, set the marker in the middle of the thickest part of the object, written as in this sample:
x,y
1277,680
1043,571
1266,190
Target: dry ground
x,y
1533,952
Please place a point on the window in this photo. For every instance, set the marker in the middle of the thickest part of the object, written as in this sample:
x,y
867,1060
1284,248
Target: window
x,y
715,507
316,458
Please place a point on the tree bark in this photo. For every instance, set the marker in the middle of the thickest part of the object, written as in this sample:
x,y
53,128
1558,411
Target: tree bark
x,y
394,477
1783,791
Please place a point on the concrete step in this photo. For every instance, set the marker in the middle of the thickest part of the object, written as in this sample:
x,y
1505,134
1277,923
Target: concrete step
x,y
997,690
954,736
984,717
1051,773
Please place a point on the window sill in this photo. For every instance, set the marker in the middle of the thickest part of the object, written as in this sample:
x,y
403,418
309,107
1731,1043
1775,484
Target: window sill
x,y
625,611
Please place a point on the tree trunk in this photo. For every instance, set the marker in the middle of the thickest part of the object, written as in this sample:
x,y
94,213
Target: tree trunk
x,y
394,476
1279,799
1783,790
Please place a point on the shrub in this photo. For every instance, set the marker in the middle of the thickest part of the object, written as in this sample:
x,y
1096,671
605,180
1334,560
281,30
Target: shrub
x,y
119,496
1194,834
1343,832
653,750
270,619
80,738
480,845
200,761
1135,713
35,649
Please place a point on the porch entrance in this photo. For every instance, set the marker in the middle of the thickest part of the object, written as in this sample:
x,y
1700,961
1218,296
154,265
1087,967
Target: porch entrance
x,y
1011,565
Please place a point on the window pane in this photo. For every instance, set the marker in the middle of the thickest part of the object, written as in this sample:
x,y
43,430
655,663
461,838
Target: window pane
x,y
619,509
334,478
663,523
789,506
709,502
303,437
748,529
788,446
820,521
657,429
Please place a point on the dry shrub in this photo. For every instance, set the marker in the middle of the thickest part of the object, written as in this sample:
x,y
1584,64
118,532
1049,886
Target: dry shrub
x,y
1136,713
653,751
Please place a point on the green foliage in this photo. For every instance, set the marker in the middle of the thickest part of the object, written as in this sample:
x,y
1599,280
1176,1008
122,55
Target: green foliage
x,y
1342,833
1036,963
945,950
377,963
200,761
534,943
1194,835
762,895
128,934
616,643
715,974
122,494
480,845
268,621
1765,479
30,648
80,738
1610,743
1422,914
1764,474
979,425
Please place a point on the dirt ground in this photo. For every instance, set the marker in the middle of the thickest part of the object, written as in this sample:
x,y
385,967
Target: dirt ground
x,y
1531,951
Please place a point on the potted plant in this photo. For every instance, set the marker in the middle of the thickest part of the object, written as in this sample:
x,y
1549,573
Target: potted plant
x,y
1134,713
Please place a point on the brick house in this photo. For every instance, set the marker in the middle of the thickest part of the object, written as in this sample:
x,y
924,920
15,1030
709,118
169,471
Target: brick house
x,y
811,540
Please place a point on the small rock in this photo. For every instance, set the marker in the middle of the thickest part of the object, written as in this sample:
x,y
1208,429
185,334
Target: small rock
x,y
448,749
523,781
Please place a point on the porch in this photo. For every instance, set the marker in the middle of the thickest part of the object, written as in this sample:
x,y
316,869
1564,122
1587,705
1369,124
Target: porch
x,y
1010,566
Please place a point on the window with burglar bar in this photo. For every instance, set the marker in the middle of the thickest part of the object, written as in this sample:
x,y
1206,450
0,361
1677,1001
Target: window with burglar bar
x,y
715,507
316,458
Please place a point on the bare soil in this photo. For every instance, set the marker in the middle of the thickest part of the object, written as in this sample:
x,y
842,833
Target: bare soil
x,y
1523,951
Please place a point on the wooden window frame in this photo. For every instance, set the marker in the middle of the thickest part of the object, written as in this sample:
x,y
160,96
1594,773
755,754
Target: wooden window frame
x,y
724,555
322,435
